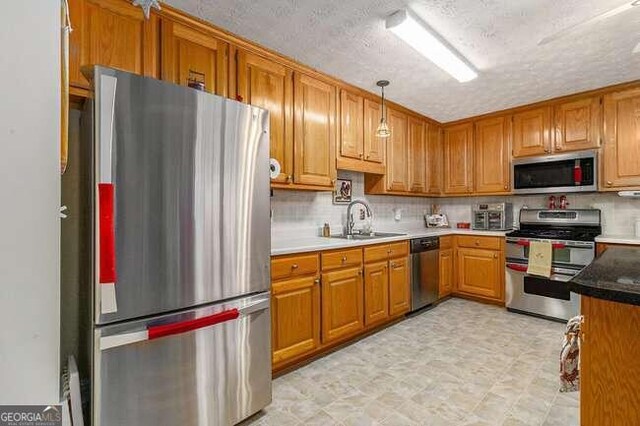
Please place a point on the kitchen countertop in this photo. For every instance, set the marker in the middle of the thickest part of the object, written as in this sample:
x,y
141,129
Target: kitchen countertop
x,y
281,246
618,239
614,275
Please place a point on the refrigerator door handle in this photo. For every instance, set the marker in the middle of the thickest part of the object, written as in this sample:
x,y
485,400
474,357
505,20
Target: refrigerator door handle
x,y
158,331
154,332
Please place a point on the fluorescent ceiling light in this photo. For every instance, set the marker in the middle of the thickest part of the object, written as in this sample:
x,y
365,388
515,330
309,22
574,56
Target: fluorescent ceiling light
x,y
429,44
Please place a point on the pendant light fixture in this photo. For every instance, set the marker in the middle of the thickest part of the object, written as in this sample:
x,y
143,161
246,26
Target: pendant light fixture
x,y
383,130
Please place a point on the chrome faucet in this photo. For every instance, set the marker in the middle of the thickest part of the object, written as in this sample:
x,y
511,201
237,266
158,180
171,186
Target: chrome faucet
x,y
350,222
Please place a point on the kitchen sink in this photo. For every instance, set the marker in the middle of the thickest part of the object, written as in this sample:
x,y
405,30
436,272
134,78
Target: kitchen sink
x,y
371,236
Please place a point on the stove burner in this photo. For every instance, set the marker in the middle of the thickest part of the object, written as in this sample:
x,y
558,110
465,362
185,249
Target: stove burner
x,y
577,234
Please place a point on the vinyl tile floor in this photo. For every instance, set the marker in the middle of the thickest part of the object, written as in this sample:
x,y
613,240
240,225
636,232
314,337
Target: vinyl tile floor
x,y
460,363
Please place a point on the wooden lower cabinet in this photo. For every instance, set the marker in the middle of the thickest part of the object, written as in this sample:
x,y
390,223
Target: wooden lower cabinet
x,y
602,247
609,363
376,293
295,313
342,304
445,268
360,289
480,272
399,294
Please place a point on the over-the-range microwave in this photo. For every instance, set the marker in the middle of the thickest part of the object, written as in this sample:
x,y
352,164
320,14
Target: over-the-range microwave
x,y
571,172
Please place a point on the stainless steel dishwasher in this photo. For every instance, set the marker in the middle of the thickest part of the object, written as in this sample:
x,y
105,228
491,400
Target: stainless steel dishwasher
x,y
424,271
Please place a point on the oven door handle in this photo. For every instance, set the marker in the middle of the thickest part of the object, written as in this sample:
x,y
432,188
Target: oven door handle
x,y
558,245
517,267
523,243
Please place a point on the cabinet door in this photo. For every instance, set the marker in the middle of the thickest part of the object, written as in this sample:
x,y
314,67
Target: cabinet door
x,y
434,160
342,304
609,363
373,145
376,293
577,125
458,159
480,272
295,318
269,85
492,156
315,131
532,132
622,139
445,286
192,55
399,296
351,125
417,155
113,33
397,152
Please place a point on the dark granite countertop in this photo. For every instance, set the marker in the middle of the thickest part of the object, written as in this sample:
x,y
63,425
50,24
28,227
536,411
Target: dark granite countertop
x,y
614,275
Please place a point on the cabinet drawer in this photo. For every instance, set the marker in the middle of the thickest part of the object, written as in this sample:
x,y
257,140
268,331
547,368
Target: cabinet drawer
x,y
341,259
472,241
399,249
446,242
294,266
376,253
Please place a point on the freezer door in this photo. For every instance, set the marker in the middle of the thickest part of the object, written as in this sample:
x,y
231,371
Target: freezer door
x,y
182,197
206,367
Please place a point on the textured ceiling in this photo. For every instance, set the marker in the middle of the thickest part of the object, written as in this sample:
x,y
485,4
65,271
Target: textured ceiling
x,y
347,39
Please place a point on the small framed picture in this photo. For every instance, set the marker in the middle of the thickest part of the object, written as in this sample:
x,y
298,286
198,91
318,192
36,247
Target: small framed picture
x,y
342,191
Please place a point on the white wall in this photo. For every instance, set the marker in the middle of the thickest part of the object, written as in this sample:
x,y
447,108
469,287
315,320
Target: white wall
x,y
302,213
29,199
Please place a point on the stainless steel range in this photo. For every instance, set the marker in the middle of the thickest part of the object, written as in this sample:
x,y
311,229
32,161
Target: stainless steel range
x,y
572,235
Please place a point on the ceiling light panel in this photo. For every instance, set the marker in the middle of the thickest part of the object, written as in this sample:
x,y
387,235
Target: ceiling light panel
x,y
429,44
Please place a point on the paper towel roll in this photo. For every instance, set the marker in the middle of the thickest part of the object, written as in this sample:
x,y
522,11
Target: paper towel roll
x,y
274,168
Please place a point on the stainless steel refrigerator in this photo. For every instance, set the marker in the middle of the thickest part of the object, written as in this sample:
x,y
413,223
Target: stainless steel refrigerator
x,y
181,327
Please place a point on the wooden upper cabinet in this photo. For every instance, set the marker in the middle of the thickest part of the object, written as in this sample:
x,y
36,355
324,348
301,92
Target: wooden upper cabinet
x,y
480,272
532,132
397,152
189,54
113,33
417,155
399,295
621,140
492,156
577,125
269,85
315,131
351,125
373,145
376,292
295,318
434,159
342,304
458,159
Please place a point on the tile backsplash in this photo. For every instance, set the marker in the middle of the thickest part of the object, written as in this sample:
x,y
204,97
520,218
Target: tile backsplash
x,y
302,213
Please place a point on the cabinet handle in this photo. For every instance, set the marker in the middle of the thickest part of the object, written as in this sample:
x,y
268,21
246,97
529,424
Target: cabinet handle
x,y
359,272
294,266
495,256
558,148
389,251
477,242
393,265
316,281
546,150
289,178
506,187
344,259
361,155
368,156
609,183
